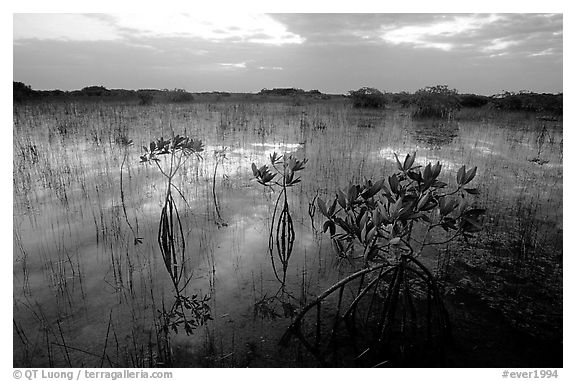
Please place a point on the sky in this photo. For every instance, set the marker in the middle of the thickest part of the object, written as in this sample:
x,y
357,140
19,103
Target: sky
x,y
334,53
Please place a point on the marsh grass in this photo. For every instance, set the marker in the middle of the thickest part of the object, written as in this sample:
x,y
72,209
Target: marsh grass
x,y
75,258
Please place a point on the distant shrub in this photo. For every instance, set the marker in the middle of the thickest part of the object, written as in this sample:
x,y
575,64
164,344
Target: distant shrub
x,y
404,99
55,93
282,91
95,91
367,97
436,102
22,92
180,96
145,98
472,100
529,101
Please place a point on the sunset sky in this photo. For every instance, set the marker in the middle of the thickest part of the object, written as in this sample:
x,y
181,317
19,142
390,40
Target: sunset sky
x,y
240,52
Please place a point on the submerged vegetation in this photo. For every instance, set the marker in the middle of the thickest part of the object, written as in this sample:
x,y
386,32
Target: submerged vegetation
x,y
448,257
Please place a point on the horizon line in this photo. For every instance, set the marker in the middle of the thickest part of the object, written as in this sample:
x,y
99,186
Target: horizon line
x,y
290,87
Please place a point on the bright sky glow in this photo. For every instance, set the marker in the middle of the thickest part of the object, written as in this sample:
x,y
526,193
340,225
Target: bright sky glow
x,y
255,28
499,44
427,36
63,26
240,65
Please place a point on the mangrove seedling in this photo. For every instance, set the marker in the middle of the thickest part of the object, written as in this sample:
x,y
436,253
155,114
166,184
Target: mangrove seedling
x,y
169,156
280,174
384,227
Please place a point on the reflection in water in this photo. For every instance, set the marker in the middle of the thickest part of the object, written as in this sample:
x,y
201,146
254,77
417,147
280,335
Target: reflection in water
x,y
364,119
277,146
240,157
423,157
434,133
75,263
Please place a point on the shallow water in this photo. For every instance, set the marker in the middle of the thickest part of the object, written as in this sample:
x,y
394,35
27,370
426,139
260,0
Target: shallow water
x,y
81,286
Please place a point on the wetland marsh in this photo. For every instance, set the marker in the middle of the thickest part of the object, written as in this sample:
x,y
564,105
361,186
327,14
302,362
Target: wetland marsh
x,y
86,294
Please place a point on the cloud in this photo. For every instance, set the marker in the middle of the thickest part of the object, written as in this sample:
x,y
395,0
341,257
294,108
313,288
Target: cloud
x,y
428,35
345,28
239,65
255,28
480,34
545,52
477,35
62,26
502,54
251,28
498,44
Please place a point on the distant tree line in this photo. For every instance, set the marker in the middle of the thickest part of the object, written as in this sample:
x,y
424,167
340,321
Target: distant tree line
x,y
432,101
441,101
288,91
529,101
24,93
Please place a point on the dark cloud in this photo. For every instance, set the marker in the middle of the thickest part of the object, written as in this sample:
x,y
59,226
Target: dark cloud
x,y
338,52
526,33
344,28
